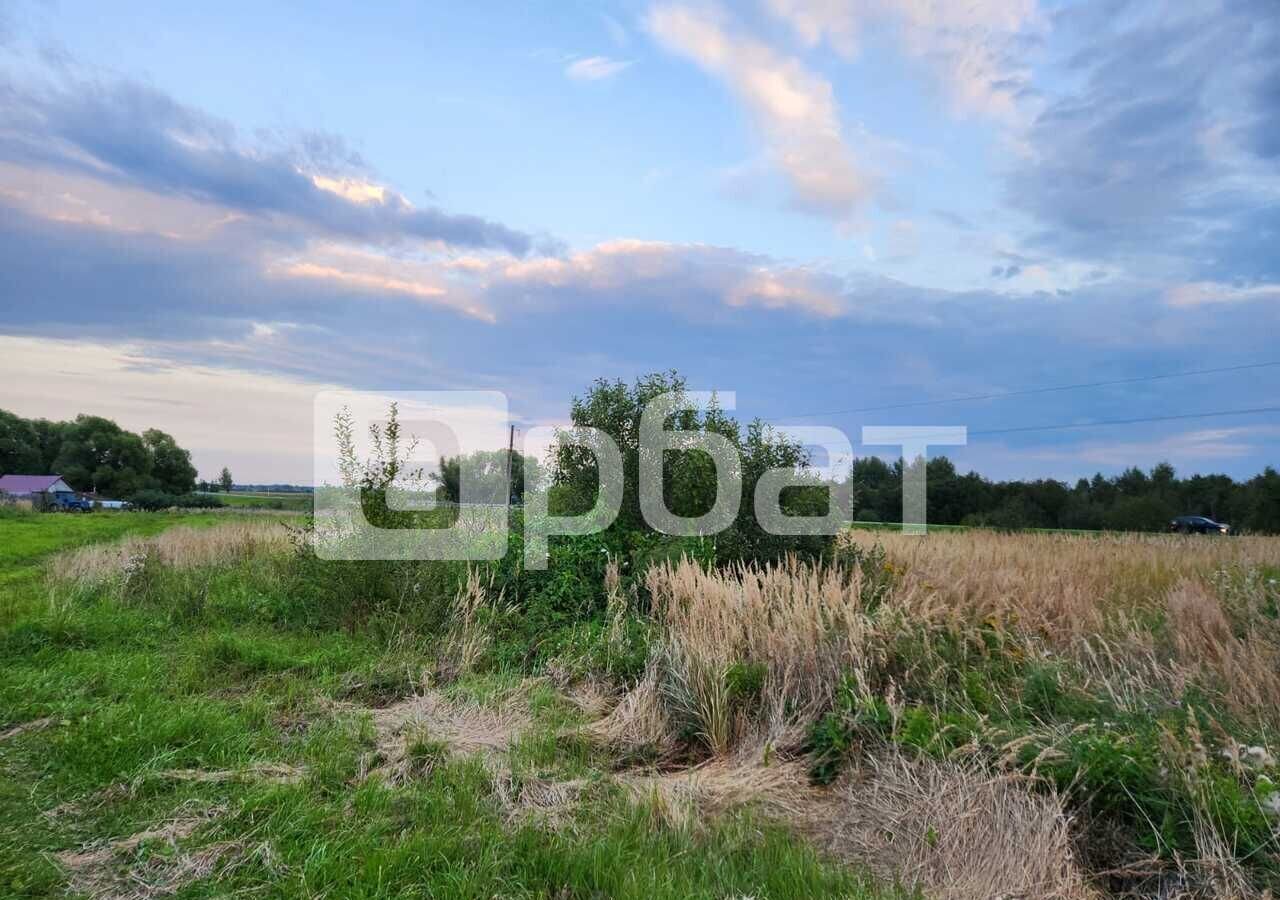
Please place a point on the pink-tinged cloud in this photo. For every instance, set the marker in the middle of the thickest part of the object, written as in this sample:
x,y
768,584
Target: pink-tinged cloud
x,y
1207,293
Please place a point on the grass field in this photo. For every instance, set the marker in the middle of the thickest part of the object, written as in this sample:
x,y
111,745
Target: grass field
x,y
190,706
164,731
257,500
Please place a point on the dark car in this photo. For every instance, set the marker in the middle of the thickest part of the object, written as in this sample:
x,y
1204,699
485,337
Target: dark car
x,y
1197,525
72,503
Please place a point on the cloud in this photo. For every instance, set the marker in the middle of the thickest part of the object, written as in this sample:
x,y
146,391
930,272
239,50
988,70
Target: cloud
x,y
793,107
1149,151
257,424
595,68
728,318
378,274
1203,293
974,48
127,134
1186,450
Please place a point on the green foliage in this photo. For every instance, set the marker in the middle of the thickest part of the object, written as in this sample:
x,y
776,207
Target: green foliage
x,y
19,445
745,681
486,474
1132,501
95,453
171,469
590,650
688,486
134,701
153,500
877,574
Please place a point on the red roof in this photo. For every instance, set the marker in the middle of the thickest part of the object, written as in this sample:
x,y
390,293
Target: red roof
x,y
27,484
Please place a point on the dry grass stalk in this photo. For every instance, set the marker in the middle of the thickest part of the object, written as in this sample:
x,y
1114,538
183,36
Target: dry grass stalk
x,y
474,608
550,804
617,605
1059,585
1246,670
956,832
638,722
23,727
180,548
799,628
462,728
107,870
268,773
685,797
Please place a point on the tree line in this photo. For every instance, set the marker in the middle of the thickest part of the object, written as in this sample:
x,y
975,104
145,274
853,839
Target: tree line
x,y
1134,500
95,454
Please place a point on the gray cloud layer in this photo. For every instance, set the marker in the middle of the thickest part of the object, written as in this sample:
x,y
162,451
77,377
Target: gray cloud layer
x,y
131,134
1174,112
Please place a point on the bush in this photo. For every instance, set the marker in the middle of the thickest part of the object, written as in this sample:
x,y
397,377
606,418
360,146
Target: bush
x,y
153,500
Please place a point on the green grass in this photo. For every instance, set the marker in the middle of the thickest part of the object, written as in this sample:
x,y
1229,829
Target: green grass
x,y
131,692
295,502
28,539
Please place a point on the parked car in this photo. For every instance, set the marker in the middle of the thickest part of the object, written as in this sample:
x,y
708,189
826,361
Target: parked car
x,y
71,503
1198,525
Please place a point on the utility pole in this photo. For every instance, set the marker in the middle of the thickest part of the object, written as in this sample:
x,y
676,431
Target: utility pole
x,y
511,448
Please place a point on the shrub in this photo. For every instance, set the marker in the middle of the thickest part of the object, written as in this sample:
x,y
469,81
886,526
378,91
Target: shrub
x,y
154,500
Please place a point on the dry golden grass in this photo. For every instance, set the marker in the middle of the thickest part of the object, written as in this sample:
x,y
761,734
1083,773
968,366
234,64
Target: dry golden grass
x,y
1060,586
1145,614
956,832
794,628
461,728
1142,620
179,548
685,797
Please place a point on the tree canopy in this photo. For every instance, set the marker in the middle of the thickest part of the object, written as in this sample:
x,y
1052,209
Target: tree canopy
x,y
92,453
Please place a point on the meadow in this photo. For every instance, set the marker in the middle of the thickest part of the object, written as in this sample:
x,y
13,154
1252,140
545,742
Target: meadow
x,y
294,502
197,706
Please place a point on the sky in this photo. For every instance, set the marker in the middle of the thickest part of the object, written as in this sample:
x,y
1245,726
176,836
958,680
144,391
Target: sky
x,y
844,212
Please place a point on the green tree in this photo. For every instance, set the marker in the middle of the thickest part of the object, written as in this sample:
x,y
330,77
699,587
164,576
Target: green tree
x,y
98,454
486,470
49,437
19,446
225,481
877,490
688,485
171,468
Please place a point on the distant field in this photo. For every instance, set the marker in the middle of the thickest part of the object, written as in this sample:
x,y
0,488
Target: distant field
x,y
261,500
896,526
27,540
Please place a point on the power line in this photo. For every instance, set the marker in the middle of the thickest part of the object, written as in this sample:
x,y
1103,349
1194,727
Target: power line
x,y
1258,410
1031,391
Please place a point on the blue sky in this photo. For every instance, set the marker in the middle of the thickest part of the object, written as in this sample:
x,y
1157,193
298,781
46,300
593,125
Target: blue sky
x,y
211,214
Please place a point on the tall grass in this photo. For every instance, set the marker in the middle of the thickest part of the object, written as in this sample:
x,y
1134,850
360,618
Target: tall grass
x,y
1138,677
756,650
224,544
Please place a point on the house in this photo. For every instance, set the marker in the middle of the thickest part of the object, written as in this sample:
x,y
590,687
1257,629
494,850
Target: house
x,y
40,489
